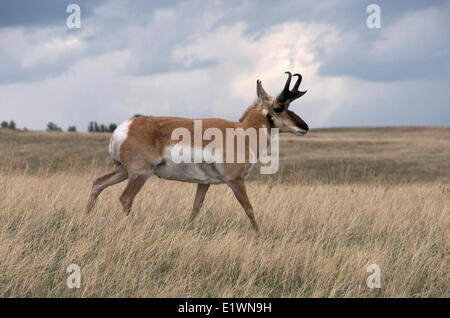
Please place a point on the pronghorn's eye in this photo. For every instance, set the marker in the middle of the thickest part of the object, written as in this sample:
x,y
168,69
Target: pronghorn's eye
x,y
278,110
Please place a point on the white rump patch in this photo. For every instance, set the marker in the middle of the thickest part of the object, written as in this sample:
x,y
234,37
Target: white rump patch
x,y
117,139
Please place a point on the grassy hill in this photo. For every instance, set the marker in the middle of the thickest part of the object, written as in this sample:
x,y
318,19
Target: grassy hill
x,y
391,154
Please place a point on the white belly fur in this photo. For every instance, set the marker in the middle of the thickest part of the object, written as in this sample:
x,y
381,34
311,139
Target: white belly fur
x,y
187,172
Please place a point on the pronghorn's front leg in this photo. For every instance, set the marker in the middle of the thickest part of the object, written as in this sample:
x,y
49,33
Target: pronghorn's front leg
x,y
238,187
198,202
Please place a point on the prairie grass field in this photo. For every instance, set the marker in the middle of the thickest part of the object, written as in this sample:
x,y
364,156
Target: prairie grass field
x,y
343,199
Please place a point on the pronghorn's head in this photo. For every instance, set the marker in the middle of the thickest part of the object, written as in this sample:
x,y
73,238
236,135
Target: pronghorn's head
x,y
276,109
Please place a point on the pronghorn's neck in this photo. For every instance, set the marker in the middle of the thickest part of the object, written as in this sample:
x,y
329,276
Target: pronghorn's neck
x,y
254,117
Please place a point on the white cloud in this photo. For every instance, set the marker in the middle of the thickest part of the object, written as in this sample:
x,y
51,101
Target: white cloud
x,y
51,50
245,58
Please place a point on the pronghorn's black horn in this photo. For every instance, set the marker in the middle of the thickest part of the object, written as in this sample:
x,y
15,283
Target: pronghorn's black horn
x,y
284,95
288,82
287,96
297,84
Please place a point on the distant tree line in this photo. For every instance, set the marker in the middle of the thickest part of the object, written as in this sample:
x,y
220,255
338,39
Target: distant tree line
x,y
95,127
92,127
51,126
10,125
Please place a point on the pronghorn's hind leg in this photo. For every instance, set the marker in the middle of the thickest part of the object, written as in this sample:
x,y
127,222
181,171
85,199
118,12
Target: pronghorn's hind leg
x,y
238,187
198,202
118,175
135,183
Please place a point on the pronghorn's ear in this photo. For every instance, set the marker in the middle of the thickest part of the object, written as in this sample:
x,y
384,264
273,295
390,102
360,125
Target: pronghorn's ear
x,y
263,96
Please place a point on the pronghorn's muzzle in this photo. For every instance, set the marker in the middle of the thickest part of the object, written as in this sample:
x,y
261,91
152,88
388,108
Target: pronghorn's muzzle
x,y
299,123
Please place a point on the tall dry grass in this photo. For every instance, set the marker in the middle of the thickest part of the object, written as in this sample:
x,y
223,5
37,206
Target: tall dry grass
x,y
316,240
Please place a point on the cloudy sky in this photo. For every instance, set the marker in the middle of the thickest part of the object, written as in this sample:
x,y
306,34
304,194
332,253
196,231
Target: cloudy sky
x,y
199,58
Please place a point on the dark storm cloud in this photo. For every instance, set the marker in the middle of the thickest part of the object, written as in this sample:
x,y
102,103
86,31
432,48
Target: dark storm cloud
x,y
412,42
46,12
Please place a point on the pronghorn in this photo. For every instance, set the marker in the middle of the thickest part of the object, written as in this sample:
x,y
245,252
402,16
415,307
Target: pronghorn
x,y
140,148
